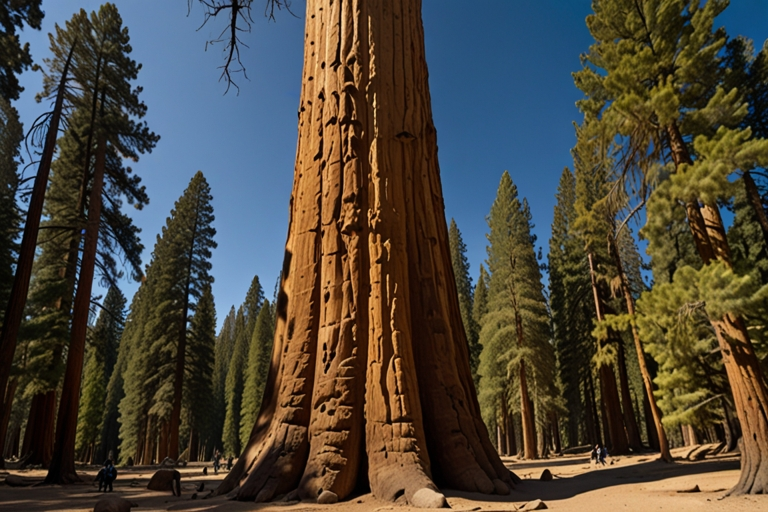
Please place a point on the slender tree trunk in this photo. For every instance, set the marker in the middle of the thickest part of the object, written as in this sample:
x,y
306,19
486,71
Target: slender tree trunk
x,y
5,416
511,435
593,421
181,348
194,443
630,421
614,421
659,439
18,298
369,352
555,422
149,445
62,468
650,423
756,202
526,413
750,394
162,447
504,447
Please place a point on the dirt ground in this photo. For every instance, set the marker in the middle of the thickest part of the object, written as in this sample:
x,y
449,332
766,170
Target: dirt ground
x,y
630,483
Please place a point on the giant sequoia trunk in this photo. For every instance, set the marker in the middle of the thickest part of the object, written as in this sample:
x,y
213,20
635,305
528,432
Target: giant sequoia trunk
x,y
750,394
370,374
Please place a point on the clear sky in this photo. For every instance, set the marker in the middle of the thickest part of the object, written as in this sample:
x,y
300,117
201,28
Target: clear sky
x,y
502,98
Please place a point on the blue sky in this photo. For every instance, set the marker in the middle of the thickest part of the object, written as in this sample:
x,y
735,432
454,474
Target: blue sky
x,y
502,99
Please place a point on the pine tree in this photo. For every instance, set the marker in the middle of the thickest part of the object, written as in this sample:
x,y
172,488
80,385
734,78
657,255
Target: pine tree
x,y
571,312
176,278
11,134
517,359
100,362
198,383
259,357
480,295
245,323
465,291
234,385
15,58
653,76
225,346
114,112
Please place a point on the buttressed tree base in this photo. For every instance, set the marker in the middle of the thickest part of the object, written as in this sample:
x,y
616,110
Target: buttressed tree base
x,y
369,384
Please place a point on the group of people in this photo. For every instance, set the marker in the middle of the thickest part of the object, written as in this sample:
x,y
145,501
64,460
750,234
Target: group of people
x,y
599,454
217,456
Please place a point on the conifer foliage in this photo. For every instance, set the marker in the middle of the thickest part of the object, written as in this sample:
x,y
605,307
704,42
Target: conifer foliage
x,y
100,362
465,291
160,354
259,356
517,363
654,78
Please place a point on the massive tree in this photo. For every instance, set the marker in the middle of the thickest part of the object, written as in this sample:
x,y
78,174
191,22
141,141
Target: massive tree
x,y
653,77
369,351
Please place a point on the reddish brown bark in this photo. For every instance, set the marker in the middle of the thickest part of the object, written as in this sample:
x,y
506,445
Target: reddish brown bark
x,y
657,437
609,394
18,298
370,367
630,422
62,469
756,202
5,416
742,366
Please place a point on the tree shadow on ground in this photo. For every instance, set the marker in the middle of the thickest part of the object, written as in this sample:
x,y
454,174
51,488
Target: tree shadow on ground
x,y
562,488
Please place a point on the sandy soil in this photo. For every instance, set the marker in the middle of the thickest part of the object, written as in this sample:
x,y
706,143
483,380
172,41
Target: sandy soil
x,y
629,483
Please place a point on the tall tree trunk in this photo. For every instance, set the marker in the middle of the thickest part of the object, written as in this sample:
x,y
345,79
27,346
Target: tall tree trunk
x,y
194,442
62,470
511,435
593,420
5,416
18,297
527,417
181,348
149,445
750,394
756,202
367,271
555,423
506,443
650,424
630,421
609,394
659,439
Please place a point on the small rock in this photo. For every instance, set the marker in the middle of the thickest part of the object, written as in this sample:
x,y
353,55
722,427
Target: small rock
x,y
327,498
500,487
695,488
427,498
546,476
200,487
113,504
15,481
194,496
535,505
205,470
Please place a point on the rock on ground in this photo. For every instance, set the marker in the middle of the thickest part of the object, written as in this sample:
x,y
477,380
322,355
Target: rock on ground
x,y
427,498
327,498
114,504
535,505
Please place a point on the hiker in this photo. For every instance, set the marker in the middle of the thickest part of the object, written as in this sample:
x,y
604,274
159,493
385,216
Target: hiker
x,y
106,476
594,454
216,462
229,462
602,453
